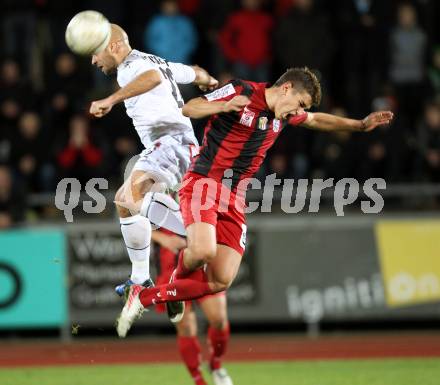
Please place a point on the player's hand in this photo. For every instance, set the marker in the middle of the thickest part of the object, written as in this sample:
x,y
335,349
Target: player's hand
x,y
237,103
102,107
213,84
376,119
173,243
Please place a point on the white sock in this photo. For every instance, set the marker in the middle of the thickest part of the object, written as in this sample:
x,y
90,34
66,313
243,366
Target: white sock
x,y
163,211
136,231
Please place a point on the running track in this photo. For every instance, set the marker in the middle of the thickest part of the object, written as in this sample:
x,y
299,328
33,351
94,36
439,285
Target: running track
x,y
241,348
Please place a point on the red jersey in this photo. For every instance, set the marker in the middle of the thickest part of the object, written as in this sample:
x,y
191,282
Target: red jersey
x,y
239,141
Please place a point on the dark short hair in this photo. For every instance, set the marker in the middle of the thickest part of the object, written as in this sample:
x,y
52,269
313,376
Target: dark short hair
x,y
302,78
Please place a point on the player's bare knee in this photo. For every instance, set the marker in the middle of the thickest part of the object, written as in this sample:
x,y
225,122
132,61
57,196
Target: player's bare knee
x,y
123,212
202,254
220,322
184,329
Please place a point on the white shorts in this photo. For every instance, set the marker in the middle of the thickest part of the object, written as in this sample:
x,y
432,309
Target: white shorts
x,y
167,158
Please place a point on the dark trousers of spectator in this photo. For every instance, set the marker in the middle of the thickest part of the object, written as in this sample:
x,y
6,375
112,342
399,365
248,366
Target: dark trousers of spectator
x,y
18,31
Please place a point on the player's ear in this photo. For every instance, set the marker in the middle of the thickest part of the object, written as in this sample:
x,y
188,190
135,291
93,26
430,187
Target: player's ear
x,y
286,87
113,47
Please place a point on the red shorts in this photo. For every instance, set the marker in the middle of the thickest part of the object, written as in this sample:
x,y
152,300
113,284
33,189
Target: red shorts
x,y
203,199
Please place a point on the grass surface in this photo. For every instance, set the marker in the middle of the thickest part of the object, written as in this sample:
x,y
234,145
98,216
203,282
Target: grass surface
x,y
349,372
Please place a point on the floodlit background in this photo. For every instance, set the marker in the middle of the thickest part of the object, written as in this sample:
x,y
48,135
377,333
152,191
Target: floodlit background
x,y
323,286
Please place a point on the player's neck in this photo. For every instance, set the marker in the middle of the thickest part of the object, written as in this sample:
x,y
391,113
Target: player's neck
x,y
123,55
271,95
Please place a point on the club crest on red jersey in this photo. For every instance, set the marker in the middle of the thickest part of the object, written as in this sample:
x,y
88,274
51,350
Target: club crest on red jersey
x,y
247,117
276,125
262,123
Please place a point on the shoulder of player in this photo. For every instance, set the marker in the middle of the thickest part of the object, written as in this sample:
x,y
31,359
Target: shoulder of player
x,y
137,58
233,88
244,87
129,61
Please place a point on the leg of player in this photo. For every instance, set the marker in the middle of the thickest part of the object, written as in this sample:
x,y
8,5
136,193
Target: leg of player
x,y
218,276
158,207
201,239
135,229
189,346
221,272
223,269
215,310
162,211
201,249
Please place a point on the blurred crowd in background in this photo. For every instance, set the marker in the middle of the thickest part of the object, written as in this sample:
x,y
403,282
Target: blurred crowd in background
x,y
369,54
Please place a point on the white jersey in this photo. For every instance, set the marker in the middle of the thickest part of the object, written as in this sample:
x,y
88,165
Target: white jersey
x,y
157,112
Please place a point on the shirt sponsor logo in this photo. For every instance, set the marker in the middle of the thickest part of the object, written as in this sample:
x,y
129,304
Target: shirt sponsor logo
x,y
247,117
221,93
276,125
262,123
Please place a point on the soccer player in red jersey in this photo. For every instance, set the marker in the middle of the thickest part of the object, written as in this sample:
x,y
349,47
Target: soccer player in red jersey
x,y
246,119
213,306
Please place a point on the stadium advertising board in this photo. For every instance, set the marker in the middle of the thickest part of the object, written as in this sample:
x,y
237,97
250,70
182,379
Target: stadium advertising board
x,y
33,290
294,270
409,253
327,269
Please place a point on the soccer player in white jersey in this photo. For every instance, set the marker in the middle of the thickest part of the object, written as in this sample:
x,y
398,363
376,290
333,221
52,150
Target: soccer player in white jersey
x,y
153,101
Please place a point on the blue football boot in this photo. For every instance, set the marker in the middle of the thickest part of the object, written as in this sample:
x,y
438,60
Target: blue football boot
x,y
123,289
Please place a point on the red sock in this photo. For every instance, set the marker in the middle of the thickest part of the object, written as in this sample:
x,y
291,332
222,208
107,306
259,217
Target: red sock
x,y
218,341
189,348
180,290
181,270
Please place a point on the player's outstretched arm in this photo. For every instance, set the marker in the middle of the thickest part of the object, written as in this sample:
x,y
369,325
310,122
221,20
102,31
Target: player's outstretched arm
x,y
328,122
143,83
199,107
184,74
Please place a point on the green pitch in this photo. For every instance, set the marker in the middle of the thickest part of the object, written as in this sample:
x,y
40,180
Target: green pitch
x,y
359,372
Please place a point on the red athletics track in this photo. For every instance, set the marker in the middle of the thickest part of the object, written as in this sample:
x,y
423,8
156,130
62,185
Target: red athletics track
x,y
242,348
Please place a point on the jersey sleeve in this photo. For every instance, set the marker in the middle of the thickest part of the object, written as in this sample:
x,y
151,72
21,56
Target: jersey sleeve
x,y
225,93
182,73
297,119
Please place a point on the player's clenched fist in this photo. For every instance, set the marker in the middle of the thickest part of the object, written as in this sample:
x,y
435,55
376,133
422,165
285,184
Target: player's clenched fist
x,y
212,84
237,103
99,108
